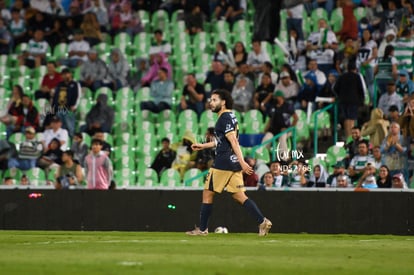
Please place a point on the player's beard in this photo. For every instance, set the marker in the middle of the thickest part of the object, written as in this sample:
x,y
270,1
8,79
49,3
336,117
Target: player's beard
x,y
215,109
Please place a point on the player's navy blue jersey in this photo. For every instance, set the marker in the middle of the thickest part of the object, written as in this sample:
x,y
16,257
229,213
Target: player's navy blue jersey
x,y
226,159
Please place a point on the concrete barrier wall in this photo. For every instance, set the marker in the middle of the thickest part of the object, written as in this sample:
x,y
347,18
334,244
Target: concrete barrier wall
x,y
177,210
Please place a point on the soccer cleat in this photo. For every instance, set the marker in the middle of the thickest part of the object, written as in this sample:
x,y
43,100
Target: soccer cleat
x,y
197,232
264,227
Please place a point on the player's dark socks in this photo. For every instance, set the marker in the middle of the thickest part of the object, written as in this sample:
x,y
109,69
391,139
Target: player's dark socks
x,y
253,210
205,213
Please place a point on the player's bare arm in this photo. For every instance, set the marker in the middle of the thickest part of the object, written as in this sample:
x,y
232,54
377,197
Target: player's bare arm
x,y
202,146
236,149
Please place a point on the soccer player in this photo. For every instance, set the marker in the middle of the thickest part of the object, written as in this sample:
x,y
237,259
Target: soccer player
x,y
228,166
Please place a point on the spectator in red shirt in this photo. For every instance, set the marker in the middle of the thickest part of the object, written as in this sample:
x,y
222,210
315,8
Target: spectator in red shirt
x,y
49,82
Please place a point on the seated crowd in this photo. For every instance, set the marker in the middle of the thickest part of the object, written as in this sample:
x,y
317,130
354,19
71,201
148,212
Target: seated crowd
x,y
365,66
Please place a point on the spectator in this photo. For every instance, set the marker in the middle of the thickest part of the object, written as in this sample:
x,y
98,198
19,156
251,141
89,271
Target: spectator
x,y
384,177
194,20
185,154
349,24
394,151
49,82
359,161
367,58
339,170
257,57
263,96
404,47
79,148
398,182
391,17
91,29
193,96
386,69
307,94
77,51
66,99
376,127
37,49
158,61
283,116
215,78
93,72
161,93
406,120
224,56
98,167
29,151
367,179
51,157
98,8
6,42
106,147
374,11
388,40
404,85
390,98
239,53
29,116
69,174
320,76
294,51
5,14
135,75
351,146
294,18
298,174
55,8
317,179
268,68
244,71
14,109
242,94
279,178
160,45
376,154
349,89
38,21
228,81
164,158
321,46
288,87
18,27
268,181
346,55
130,21
100,118
327,95
118,69
56,132
394,115
343,182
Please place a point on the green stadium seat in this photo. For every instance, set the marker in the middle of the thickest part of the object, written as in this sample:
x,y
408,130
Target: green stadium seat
x,y
335,154
336,19
144,16
147,177
170,178
160,20
122,41
360,12
60,51
207,119
317,14
193,178
36,176
201,43
125,177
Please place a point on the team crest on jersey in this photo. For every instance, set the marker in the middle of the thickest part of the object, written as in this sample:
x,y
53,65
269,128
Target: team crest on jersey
x,y
234,158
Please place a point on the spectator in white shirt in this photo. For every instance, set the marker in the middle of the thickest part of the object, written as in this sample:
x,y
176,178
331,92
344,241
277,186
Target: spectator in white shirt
x,y
56,131
257,57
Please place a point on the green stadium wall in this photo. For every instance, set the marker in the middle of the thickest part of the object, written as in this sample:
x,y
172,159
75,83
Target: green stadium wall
x,y
325,212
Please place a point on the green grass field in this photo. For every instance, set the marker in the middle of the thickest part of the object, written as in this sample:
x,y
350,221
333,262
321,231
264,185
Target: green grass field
x,y
57,252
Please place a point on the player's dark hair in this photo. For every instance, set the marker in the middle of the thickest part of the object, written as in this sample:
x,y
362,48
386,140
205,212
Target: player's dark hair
x,y
226,96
